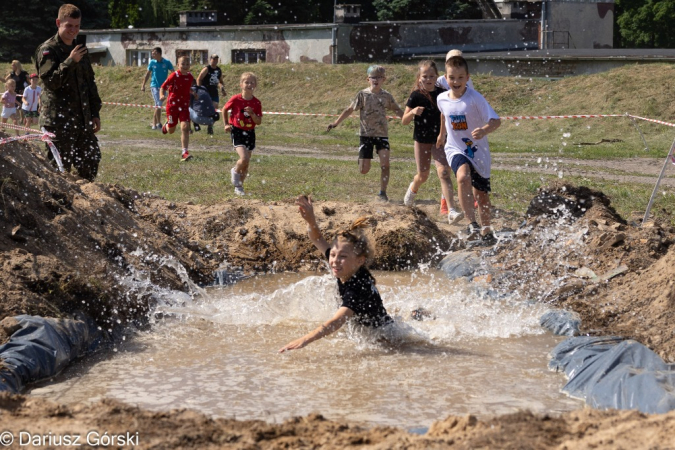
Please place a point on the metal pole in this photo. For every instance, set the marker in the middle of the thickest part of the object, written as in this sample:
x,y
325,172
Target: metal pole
x,y
663,170
334,36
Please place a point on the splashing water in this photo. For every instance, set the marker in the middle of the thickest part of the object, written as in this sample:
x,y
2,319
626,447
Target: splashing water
x,y
476,351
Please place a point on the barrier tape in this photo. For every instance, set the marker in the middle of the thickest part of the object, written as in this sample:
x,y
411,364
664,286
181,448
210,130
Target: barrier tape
x,y
34,135
572,116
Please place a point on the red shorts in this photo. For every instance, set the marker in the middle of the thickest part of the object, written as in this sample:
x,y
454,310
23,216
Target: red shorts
x,y
176,113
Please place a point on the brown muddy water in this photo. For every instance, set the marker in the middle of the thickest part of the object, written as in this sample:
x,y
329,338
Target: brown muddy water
x,y
481,353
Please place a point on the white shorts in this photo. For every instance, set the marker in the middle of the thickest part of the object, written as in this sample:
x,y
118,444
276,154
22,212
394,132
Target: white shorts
x,y
7,113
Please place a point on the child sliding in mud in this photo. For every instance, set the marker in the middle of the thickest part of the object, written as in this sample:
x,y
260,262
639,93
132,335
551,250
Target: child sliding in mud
x,y
347,256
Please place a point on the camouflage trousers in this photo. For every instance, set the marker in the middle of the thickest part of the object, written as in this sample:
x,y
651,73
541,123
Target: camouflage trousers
x,y
78,148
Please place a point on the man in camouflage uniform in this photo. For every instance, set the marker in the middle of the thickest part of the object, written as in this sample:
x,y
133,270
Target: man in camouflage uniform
x,y
70,101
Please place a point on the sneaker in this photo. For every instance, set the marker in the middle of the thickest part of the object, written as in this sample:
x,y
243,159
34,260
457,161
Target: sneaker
x,y
197,127
444,206
235,178
209,129
409,199
454,216
489,238
382,196
186,157
473,231
164,128
239,190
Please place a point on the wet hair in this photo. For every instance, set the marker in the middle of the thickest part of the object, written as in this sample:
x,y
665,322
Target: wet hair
x,y
456,62
68,11
352,235
158,50
375,69
246,75
427,63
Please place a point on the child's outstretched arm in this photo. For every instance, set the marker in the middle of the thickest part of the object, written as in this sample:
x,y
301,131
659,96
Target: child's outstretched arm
x,y
307,212
397,109
346,113
324,329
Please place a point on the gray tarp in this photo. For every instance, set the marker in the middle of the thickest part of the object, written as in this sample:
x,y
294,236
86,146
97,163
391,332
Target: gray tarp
x,y
43,347
609,372
561,322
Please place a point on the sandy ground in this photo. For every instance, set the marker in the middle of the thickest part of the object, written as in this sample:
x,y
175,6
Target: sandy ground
x,y
65,243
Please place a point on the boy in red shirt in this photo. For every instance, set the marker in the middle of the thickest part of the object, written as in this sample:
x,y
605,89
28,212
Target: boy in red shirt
x,y
179,85
246,114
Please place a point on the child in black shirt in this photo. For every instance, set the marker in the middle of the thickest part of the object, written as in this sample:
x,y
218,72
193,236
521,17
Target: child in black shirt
x,y
347,257
422,108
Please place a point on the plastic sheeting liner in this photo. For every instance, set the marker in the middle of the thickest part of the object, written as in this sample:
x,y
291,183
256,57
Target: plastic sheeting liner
x,y
609,372
43,347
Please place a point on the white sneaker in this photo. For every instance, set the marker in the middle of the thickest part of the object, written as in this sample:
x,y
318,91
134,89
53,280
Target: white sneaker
x,y
235,178
409,199
454,216
239,190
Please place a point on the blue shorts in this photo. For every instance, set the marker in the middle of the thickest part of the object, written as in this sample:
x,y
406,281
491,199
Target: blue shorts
x,y
478,182
214,98
155,96
367,144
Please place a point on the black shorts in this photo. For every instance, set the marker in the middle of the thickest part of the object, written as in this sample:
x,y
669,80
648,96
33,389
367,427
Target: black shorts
x,y
367,143
243,138
478,182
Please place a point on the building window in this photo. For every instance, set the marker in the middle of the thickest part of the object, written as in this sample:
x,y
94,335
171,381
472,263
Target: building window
x,y
138,57
248,56
197,57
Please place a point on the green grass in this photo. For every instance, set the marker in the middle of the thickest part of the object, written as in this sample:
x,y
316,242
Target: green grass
x,y
146,160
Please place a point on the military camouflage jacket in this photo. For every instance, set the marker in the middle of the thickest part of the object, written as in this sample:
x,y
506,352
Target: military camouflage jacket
x,y
70,95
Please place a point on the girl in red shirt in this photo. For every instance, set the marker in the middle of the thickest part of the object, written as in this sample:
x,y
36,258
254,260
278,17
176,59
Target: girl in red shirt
x,y
246,113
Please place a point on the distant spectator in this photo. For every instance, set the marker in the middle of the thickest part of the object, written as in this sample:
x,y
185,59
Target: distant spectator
x,y
159,68
9,103
31,101
210,77
20,77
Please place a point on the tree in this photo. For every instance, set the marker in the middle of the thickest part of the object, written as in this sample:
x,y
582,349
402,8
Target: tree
x,y
645,23
431,10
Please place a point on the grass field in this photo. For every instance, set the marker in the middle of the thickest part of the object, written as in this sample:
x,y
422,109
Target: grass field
x,y
146,160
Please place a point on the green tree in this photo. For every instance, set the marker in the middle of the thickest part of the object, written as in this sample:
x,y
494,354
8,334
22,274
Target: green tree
x,y
429,10
645,23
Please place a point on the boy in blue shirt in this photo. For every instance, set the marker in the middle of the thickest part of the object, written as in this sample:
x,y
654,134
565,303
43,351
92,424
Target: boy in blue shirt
x,y
159,68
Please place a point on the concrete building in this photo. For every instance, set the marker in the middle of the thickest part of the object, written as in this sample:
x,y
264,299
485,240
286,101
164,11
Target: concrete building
x,y
524,25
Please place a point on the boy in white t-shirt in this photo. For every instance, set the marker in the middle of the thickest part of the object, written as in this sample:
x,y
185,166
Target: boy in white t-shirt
x,y
31,101
467,120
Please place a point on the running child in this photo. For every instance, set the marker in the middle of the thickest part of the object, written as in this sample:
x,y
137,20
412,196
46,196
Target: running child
x,y
347,257
468,119
422,107
179,86
372,103
442,83
9,103
246,114
31,101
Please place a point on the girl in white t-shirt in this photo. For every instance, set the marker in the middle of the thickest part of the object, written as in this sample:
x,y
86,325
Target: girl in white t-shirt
x,y
31,101
9,103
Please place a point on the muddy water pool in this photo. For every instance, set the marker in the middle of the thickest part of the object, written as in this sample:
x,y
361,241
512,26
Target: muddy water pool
x,y
479,352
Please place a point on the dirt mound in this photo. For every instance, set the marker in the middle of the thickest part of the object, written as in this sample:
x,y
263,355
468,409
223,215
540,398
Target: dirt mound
x,y
184,429
567,254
